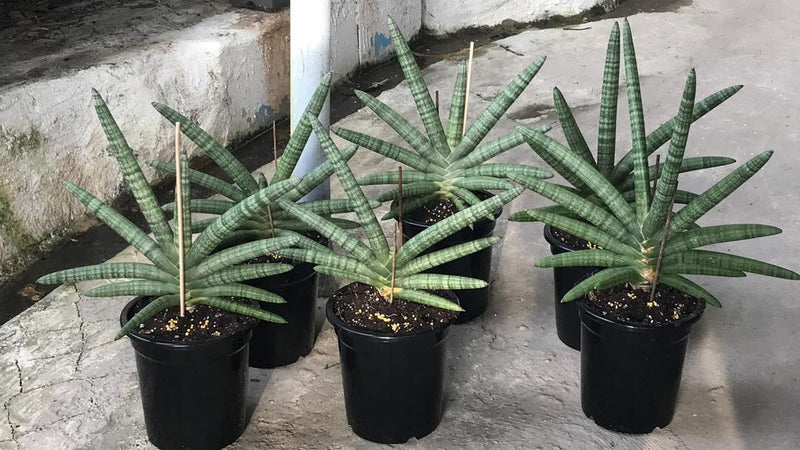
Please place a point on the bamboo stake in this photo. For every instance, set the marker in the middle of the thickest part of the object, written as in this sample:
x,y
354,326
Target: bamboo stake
x,y
469,80
663,245
179,212
397,227
275,161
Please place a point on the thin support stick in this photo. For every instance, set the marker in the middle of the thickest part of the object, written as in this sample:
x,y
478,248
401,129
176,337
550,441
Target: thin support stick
x,y
656,175
469,80
437,100
179,213
275,161
663,245
398,232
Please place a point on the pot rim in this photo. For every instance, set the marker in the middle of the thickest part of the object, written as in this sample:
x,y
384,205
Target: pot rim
x,y
187,344
338,323
637,328
548,236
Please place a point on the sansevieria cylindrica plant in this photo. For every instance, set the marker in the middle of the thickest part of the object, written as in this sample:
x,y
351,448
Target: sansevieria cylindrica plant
x,y
211,278
273,222
644,243
393,271
620,175
444,164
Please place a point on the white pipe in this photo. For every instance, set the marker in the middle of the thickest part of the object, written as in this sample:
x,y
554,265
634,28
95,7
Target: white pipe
x,y
310,27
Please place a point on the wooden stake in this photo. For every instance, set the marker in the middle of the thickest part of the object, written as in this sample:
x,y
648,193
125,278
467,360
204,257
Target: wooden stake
x,y
179,213
469,81
663,245
656,175
397,235
275,161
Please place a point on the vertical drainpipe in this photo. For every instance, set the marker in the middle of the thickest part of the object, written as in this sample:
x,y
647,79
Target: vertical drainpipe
x,y
310,26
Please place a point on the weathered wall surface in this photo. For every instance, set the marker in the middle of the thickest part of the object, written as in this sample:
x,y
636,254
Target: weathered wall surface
x,y
448,16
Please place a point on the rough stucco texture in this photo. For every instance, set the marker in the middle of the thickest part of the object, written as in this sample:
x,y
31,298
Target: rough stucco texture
x,y
448,16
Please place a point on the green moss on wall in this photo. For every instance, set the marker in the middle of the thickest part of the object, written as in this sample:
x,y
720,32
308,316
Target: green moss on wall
x,y
15,143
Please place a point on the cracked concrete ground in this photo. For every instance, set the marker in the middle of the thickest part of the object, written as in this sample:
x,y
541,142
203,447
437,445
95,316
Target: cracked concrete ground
x,y
65,384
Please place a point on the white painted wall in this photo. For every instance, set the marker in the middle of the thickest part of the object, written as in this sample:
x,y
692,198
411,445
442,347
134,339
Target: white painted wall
x,y
448,16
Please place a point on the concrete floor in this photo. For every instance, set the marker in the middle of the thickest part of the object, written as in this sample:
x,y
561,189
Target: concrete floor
x,y
513,384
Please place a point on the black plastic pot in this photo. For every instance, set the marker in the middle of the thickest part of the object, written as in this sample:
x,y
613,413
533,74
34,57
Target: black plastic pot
x,y
568,324
393,385
193,393
630,374
275,344
477,265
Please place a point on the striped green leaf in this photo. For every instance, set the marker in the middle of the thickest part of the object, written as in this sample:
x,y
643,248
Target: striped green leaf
x,y
492,114
439,257
323,208
636,112
135,287
108,271
248,208
330,259
575,204
347,275
718,192
410,204
419,90
204,206
410,190
577,143
455,119
240,308
505,171
124,228
239,254
589,258
668,180
369,222
239,273
321,173
302,131
426,298
602,280
336,235
687,165
388,150
133,175
151,309
488,151
213,184
576,168
728,261
700,237
409,176
186,198
584,231
435,281
699,269
607,131
411,135
219,154
237,290
664,132
452,224
478,183
685,285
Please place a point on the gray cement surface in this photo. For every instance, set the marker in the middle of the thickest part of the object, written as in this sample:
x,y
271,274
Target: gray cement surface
x,y
65,384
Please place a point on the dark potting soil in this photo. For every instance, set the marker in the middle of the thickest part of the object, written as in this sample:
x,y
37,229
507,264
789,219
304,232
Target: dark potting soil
x,y
273,258
433,211
199,322
626,304
363,307
571,241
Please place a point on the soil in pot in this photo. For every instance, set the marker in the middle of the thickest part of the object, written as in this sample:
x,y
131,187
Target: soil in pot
x,y
193,386
393,381
477,265
632,354
568,324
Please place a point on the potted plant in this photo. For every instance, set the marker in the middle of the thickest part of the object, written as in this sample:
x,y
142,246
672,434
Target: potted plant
x,y
448,169
272,345
620,175
192,318
391,322
636,313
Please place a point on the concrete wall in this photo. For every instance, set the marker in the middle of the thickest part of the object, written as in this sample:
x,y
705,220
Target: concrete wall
x,y
448,16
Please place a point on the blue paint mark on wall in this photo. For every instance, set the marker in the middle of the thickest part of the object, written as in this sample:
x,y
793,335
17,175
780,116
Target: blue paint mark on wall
x,y
380,43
